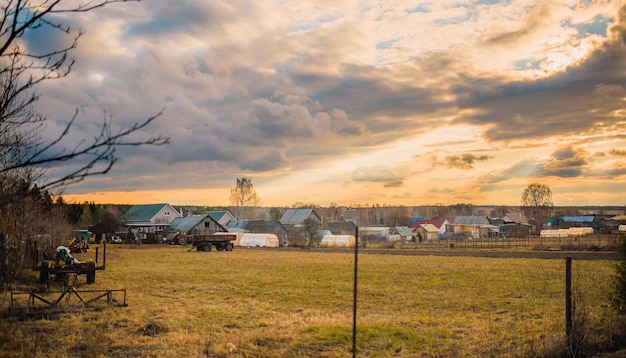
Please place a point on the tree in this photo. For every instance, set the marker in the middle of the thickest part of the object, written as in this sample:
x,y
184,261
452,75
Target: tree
x,y
275,214
243,195
23,151
537,204
397,216
312,227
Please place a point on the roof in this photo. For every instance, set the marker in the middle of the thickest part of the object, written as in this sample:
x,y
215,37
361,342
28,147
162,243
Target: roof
x,y
517,218
405,231
216,215
429,228
187,223
471,220
578,219
258,226
436,222
296,216
142,212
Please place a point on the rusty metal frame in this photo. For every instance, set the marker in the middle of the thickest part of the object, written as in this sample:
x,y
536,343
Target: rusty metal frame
x,y
34,296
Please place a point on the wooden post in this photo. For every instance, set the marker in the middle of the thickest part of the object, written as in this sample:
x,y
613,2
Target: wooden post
x,y
568,300
354,292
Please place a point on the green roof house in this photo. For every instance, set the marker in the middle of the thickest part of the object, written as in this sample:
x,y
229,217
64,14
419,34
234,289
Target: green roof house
x,y
149,217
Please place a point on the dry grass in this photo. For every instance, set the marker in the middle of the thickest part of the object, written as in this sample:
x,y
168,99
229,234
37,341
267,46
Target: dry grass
x,y
270,303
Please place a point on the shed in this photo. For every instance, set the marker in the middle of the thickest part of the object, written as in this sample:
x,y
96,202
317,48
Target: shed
x,y
259,240
428,232
338,241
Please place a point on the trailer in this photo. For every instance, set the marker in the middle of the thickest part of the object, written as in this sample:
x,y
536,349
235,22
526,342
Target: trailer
x,y
222,242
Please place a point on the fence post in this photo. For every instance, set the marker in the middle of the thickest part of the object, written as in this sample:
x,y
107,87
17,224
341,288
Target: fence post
x,y
568,300
354,292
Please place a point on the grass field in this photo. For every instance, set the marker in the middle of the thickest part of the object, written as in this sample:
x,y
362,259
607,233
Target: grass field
x,y
276,303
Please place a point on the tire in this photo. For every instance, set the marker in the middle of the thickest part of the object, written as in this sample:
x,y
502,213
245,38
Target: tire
x,y
44,274
208,247
220,247
182,240
229,247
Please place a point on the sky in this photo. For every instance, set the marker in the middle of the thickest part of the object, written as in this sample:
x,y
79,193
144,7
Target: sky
x,y
351,102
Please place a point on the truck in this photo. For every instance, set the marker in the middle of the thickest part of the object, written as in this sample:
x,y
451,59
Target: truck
x,y
205,242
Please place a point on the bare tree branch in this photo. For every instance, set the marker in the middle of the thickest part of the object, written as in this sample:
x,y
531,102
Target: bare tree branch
x,y
21,145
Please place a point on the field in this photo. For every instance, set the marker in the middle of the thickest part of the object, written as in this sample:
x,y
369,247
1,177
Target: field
x,y
299,303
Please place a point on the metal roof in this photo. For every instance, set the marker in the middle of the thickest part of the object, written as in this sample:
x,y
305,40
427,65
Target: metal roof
x,y
187,223
429,228
404,231
471,220
143,212
216,215
436,222
296,216
578,219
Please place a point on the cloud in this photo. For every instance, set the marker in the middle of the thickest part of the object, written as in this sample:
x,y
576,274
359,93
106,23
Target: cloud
x,y
463,161
581,99
378,174
282,89
566,162
525,168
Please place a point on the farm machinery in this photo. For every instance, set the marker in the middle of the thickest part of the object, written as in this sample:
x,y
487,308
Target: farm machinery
x,y
64,265
63,268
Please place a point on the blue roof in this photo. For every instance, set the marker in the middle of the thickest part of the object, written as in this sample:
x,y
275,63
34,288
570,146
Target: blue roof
x,y
578,219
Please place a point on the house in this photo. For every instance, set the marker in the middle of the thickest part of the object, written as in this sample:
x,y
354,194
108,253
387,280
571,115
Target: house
x,y
294,220
513,224
223,217
400,233
194,225
427,232
474,227
148,218
440,224
261,227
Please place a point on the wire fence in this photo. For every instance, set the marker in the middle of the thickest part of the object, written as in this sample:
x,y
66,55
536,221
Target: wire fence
x,y
584,242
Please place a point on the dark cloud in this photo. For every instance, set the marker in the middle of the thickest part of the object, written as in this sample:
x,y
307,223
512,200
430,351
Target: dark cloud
x,y
584,98
272,160
566,162
463,161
